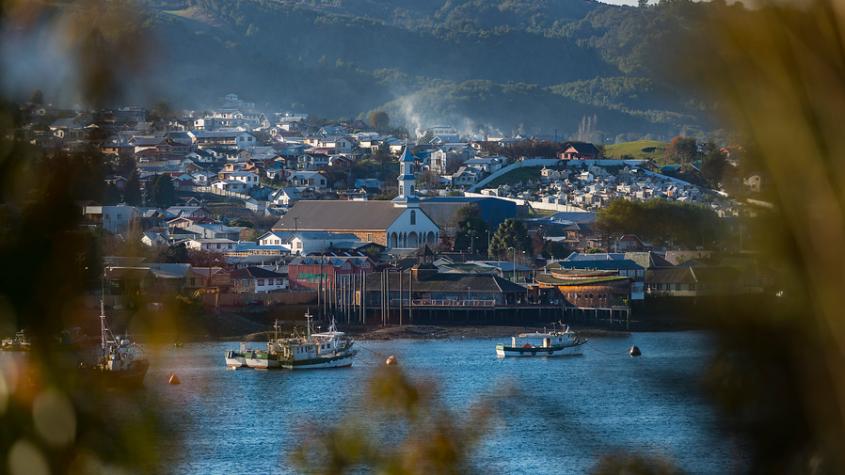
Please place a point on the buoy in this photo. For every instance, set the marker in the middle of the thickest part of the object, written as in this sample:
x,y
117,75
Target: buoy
x,y
635,351
391,361
173,379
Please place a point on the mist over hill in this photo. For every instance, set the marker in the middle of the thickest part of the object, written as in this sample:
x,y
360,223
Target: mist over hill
x,y
533,67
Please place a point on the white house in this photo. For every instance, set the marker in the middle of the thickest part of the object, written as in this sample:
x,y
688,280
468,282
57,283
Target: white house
x,y
211,245
258,280
249,179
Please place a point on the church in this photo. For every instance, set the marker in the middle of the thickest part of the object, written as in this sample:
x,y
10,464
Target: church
x,y
396,224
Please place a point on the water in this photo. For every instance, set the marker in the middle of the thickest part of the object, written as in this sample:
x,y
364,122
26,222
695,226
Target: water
x,y
571,409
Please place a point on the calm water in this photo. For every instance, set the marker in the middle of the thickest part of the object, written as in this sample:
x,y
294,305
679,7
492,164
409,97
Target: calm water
x,y
571,410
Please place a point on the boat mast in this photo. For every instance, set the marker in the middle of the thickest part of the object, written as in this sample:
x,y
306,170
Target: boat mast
x,y
308,318
103,310
102,325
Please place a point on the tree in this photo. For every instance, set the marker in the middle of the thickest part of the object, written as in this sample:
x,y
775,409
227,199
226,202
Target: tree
x,y
713,165
661,221
472,230
177,253
124,166
511,234
132,190
162,193
379,120
112,195
683,150
206,259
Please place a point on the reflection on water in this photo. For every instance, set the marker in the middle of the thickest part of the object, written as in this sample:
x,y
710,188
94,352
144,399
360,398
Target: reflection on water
x,y
569,410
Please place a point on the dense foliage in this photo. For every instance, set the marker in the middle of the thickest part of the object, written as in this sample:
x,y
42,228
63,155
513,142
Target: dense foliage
x,y
511,239
657,221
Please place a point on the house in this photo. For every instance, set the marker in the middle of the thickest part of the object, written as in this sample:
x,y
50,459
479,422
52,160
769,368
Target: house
x,y
155,238
308,179
257,280
693,281
628,243
216,231
429,290
208,277
312,272
372,185
192,212
232,140
284,196
395,224
231,186
249,179
465,177
211,245
118,219
271,239
580,151
308,242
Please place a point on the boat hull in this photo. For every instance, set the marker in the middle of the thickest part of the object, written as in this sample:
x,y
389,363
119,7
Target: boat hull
x,y
235,360
262,363
338,361
129,378
503,351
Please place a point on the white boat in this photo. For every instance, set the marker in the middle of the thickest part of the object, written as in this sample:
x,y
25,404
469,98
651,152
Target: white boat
x,y
236,359
545,343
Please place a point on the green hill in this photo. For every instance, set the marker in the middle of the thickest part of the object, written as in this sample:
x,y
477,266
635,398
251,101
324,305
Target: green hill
x,y
638,149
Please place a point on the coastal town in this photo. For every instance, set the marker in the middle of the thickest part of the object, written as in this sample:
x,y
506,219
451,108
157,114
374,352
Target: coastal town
x,y
235,208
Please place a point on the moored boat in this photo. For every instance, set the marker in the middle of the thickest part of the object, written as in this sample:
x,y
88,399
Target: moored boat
x,y
121,362
20,342
330,349
545,343
236,358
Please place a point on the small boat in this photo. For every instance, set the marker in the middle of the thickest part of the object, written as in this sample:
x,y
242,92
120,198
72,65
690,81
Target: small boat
x,y
545,343
20,342
236,359
121,362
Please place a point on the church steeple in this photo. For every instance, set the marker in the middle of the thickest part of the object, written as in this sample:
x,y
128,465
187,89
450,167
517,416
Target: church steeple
x,y
407,180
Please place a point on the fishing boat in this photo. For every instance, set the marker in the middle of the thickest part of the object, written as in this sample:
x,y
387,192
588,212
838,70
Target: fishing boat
x,y
330,349
20,342
546,343
121,362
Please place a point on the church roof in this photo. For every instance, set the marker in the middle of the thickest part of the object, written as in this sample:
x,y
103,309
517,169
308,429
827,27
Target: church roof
x,y
319,215
407,156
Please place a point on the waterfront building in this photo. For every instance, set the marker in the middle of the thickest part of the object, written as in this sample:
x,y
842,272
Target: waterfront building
x,y
396,224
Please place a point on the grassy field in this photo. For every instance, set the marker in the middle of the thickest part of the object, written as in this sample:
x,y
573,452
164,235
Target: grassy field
x,y
638,149
516,176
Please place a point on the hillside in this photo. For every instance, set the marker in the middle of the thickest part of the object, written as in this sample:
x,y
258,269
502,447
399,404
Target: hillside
x,y
516,66
638,149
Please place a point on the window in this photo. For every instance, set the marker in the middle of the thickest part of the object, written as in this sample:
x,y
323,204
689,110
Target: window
x,y
260,282
413,217
369,237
